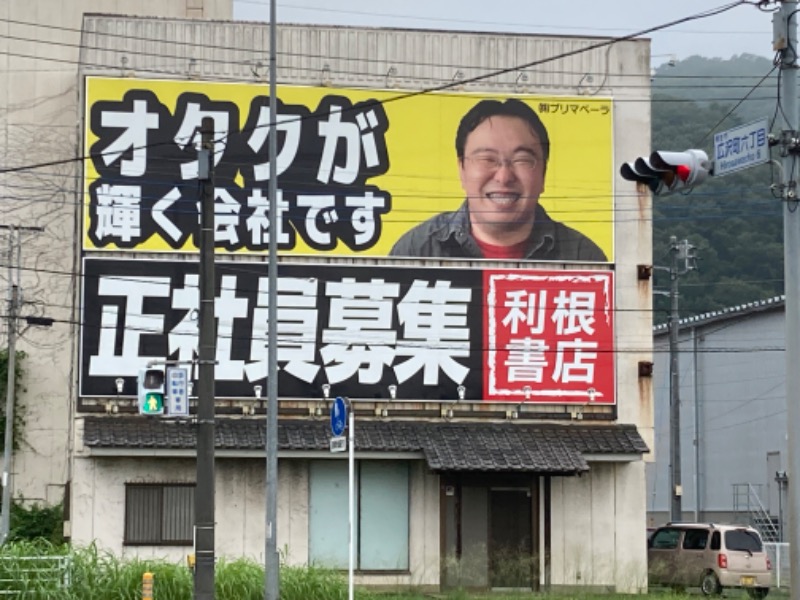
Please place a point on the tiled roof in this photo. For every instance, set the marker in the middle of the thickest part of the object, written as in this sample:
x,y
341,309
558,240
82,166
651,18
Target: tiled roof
x,y
501,447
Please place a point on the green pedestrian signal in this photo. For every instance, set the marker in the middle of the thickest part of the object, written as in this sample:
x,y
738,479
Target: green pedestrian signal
x,y
153,404
151,391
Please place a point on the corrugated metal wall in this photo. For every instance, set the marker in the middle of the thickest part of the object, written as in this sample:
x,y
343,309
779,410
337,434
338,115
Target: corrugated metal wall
x,y
383,58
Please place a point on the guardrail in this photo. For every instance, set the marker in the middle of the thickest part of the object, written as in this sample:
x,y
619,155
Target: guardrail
x,y
19,574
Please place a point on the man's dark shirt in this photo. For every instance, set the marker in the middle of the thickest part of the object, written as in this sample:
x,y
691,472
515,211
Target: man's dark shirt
x,y
447,235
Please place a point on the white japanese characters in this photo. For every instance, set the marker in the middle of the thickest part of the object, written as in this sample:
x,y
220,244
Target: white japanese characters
x,y
552,333
146,159
538,336
357,329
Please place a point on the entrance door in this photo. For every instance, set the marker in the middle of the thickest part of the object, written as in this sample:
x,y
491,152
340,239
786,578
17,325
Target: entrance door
x,y
510,546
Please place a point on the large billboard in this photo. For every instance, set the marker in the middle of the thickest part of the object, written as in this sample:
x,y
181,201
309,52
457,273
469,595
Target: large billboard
x,y
357,170
539,336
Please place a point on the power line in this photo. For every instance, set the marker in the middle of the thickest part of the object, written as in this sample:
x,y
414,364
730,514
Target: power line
x,y
482,23
189,44
475,78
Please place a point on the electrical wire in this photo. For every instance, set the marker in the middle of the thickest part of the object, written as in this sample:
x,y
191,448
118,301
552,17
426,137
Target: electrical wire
x,y
184,44
735,106
472,79
462,81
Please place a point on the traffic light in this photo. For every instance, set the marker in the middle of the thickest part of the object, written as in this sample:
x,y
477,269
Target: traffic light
x,y
668,172
151,391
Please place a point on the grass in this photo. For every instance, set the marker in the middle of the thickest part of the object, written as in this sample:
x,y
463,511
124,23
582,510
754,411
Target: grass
x,y
98,575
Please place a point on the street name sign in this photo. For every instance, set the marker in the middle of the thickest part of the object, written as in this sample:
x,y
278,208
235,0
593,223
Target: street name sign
x,y
177,392
338,444
741,147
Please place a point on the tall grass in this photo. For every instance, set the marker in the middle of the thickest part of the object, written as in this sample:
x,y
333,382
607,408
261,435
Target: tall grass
x,y
92,574
96,575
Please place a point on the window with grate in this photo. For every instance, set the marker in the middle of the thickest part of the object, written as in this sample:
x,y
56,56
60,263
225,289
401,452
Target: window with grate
x,y
159,514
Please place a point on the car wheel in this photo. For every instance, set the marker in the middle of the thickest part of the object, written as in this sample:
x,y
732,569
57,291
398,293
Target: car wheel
x,y
710,585
757,593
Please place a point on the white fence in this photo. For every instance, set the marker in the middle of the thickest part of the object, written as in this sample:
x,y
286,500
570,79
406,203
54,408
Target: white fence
x,y
781,566
20,574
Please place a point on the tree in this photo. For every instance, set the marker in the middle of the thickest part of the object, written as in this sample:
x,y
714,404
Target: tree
x,y
734,221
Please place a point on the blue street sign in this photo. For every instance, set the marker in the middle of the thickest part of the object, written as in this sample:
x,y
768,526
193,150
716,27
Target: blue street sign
x,y
177,392
741,147
338,416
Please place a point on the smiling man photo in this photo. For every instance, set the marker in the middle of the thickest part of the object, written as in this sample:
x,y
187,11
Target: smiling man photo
x,y
502,150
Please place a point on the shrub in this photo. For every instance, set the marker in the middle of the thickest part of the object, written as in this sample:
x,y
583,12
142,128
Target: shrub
x,y
37,522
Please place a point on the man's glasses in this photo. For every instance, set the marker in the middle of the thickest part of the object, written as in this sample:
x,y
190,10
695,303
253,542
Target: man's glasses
x,y
491,163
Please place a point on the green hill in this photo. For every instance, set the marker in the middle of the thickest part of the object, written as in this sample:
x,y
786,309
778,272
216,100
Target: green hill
x,y
734,221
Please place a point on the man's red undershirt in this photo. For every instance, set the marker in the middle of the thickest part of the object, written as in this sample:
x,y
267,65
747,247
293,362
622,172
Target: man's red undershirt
x,y
502,252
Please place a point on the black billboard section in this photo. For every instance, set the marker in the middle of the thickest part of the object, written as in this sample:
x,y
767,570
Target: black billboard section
x,y
146,159
359,329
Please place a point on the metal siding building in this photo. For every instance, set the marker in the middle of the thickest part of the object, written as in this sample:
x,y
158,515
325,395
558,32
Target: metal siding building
x,y
733,417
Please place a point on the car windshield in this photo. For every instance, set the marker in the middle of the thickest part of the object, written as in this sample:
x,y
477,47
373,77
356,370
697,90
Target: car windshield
x,y
742,539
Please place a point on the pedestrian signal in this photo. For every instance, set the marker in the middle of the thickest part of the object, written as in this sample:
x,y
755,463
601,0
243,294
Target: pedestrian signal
x,y
151,391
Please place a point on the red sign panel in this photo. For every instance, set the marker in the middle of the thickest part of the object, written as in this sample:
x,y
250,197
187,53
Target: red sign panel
x,y
549,336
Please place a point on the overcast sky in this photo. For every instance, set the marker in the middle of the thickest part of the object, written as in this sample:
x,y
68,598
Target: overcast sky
x,y
743,29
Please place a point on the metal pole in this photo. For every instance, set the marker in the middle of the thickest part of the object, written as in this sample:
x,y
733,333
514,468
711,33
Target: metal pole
x,y
351,505
780,479
272,563
8,446
207,350
791,266
696,386
674,391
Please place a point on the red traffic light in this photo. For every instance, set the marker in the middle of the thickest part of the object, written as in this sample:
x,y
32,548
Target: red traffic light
x,y
668,172
683,172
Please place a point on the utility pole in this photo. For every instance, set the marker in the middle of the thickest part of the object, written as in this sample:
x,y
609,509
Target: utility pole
x,y
14,259
8,446
271,559
676,490
682,260
207,351
785,41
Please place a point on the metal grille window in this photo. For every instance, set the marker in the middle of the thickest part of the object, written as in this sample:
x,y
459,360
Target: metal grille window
x,y
159,514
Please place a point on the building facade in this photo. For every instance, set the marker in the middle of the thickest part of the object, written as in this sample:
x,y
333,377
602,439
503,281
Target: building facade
x,y
501,431
732,419
40,53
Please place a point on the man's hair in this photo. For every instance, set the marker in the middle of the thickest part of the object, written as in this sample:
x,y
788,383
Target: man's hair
x,y
495,108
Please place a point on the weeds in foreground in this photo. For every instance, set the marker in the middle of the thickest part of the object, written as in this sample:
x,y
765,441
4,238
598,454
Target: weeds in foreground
x,y
39,570
59,572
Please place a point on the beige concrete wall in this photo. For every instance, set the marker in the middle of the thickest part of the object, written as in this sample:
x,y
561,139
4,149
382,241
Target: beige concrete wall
x,y
633,232
99,507
39,94
99,504
98,496
598,536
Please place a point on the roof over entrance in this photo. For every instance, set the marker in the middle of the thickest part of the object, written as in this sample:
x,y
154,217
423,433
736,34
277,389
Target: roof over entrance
x,y
446,446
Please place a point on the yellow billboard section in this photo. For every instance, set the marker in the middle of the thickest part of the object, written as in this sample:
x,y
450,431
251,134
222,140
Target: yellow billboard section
x,y
357,168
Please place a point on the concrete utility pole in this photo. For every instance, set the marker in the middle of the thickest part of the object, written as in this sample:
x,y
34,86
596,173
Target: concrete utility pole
x,y
14,260
8,446
785,41
680,252
207,352
271,558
